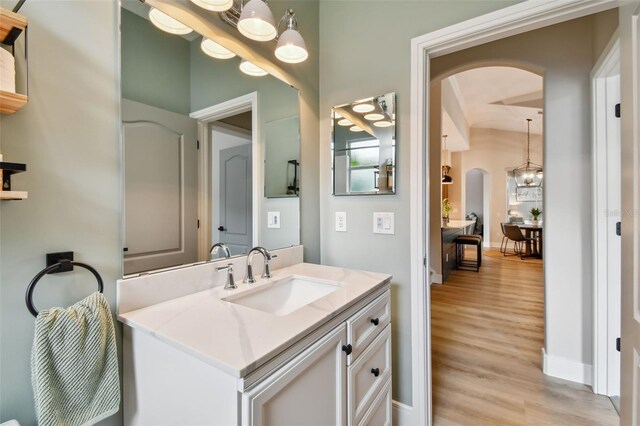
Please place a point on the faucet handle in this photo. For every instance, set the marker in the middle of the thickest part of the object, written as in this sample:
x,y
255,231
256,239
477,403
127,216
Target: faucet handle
x,y
266,272
230,284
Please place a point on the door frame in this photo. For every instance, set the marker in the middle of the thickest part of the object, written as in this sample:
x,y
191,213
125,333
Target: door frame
x,y
520,18
607,66
205,117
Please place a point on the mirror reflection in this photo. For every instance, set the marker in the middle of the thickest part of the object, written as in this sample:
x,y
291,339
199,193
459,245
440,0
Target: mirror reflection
x,y
364,144
191,182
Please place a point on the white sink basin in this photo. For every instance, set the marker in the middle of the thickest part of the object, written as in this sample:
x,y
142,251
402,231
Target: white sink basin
x,y
285,295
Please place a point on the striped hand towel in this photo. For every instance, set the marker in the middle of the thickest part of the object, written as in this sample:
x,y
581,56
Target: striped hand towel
x,y
74,364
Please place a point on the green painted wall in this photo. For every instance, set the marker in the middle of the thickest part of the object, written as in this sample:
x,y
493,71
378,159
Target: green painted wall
x,y
366,52
155,65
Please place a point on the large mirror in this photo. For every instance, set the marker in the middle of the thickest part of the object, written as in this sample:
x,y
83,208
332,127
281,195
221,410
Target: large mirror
x,y
210,154
364,146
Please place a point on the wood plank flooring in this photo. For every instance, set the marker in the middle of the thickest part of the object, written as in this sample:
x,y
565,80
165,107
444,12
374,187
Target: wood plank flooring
x,y
487,330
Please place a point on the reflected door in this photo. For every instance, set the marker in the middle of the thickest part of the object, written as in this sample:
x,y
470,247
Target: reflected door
x,y
236,199
160,188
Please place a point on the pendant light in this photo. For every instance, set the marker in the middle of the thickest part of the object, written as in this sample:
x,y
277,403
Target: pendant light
x,y
215,50
166,23
214,5
256,21
446,177
251,69
528,175
291,47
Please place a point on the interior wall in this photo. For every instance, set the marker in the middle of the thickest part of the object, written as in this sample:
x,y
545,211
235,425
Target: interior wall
x,y
567,165
497,151
352,67
68,135
474,193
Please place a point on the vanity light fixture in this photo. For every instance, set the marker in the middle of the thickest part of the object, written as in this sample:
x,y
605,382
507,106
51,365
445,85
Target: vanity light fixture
x,y
291,47
529,174
214,5
364,107
374,116
355,129
251,69
345,122
256,21
383,123
166,23
215,50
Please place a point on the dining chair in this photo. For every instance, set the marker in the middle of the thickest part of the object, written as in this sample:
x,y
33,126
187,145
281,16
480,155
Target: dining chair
x,y
513,233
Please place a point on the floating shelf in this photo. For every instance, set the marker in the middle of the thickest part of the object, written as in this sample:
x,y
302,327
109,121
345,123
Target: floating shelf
x,y
9,169
11,26
13,195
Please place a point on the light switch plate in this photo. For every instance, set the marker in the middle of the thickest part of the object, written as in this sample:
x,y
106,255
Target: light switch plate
x,y
383,223
341,221
273,220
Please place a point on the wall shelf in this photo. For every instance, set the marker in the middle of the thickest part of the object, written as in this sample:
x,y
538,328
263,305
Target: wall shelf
x,y
13,195
9,169
11,26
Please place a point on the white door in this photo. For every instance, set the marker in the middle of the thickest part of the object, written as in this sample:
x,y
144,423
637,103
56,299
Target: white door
x,y
160,188
630,100
309,390
236,213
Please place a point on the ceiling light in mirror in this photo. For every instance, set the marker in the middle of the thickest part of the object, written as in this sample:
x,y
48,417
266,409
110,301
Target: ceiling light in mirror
x,y
383,123
166,23
364,107
214,5
291,47
256,21
345,122
251,69
215,50
374,116
355,129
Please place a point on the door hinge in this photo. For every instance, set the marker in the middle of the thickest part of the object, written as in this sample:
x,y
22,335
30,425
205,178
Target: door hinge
x,y
198,223
197,144
617,111
618,228
618,344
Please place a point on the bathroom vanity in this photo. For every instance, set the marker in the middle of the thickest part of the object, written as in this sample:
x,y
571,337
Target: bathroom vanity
x,y
311,345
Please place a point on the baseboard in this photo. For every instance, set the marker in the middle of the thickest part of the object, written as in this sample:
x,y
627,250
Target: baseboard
x,y
566,369
401,414
436,279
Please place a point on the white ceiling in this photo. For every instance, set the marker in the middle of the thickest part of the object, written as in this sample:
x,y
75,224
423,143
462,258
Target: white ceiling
x,y
499,98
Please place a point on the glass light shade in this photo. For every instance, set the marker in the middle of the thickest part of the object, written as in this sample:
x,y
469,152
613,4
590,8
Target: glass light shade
x,y
374,116
215,50
214,5
345,122
355,129
291,47
362,108
167,23
256,21
383,123
528,177
251,69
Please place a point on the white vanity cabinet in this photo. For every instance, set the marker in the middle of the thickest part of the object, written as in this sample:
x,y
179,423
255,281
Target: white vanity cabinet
x,y
200,360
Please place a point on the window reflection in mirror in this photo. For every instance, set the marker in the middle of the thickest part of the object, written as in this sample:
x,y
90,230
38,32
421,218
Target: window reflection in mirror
x,y
364,142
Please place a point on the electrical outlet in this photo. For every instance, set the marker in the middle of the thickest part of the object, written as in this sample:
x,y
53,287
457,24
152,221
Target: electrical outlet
x,y
383,223
273,220
341,221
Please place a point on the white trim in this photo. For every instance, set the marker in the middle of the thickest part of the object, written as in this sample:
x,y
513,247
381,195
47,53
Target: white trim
x,y
607,65
400,414
248,102
517,19
566,369
436,278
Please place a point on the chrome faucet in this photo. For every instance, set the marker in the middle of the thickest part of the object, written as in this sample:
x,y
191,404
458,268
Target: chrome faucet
x,y
221,246
230,284
265,272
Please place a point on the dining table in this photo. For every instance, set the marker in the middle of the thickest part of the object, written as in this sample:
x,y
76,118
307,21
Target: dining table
x,y
533,246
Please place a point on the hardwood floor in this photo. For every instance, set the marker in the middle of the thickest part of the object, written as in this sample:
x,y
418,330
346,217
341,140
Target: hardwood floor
x,y
487,331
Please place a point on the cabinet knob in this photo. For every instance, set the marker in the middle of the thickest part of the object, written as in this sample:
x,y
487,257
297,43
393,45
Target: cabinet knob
x,y
348,349
375,321
375,371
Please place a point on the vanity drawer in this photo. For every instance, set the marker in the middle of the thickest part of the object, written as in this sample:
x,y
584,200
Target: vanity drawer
x,y
379,414
365,325
363,383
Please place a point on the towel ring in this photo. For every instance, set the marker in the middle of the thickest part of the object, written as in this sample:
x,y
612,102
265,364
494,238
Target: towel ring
x,y
45,271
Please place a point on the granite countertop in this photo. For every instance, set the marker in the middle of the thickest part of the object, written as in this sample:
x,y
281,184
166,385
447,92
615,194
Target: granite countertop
x,y
238,339
458,224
